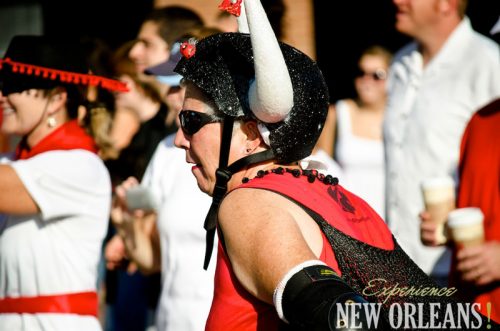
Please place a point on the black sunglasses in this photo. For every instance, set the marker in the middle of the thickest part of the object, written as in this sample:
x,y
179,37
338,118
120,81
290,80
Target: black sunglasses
x,y
379,74
192,121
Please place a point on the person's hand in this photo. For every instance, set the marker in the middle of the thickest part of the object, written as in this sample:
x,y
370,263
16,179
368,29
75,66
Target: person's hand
x,y
429,231
480,264
119,211
119,199
114,253
116,256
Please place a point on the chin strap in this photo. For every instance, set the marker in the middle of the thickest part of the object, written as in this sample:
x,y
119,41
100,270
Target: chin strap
x,y
222,177
266,155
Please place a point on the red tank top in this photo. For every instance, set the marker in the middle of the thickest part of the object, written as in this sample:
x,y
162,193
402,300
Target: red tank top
x,y
233,308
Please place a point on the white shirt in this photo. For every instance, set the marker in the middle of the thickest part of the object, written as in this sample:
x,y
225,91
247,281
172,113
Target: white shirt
x,y
428,109
187,289
56,251
321,161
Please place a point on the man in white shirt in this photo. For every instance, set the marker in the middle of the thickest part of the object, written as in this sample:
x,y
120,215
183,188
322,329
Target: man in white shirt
x,y
435,85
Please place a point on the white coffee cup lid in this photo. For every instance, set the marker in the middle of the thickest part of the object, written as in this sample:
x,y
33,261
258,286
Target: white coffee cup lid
x,y
433,182
465,216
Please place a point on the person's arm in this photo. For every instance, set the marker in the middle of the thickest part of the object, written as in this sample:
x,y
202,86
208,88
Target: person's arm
x,y
114,252
56,185
254,224
138,231
14,197
326,140
274,246
142,245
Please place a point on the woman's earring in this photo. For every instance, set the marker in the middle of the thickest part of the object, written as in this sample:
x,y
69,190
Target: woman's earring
x,y
51,121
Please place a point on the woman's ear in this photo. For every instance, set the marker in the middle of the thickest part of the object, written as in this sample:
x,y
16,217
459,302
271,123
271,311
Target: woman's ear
x,y
57,101
253,137
448,6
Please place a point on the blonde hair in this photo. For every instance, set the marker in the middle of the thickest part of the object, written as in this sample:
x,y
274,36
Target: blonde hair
x,y
97,118
377,50
462,7
99,126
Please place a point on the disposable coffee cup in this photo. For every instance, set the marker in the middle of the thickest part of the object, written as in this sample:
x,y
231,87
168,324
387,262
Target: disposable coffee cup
x,y
439,200
466,226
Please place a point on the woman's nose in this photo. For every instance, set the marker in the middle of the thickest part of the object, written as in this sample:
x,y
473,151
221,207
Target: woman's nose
x,y
180,140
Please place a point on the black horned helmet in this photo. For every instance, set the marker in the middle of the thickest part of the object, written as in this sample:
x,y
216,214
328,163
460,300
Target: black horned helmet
x,y
252,75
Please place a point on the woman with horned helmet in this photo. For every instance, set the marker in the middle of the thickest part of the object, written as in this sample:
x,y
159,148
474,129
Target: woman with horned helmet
x,y
56,192
294,246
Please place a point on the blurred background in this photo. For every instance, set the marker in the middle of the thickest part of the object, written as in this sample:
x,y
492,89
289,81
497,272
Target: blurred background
x,y
332,32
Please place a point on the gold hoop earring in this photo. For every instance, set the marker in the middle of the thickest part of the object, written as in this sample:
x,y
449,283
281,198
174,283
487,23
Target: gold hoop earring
x,y
51,121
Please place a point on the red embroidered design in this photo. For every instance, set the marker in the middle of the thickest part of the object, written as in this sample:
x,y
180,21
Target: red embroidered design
x,y
344,201
231,6
64,76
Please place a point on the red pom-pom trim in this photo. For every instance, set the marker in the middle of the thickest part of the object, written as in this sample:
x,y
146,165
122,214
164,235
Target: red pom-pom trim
x,y
64,76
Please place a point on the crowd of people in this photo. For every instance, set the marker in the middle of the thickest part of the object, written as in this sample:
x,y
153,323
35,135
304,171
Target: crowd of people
x,y
201,178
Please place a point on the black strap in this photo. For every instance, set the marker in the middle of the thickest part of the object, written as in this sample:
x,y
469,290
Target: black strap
x,y
222,177
225,144
266,155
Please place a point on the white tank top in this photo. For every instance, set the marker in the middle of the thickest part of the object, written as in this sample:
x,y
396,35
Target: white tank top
x,y
362,161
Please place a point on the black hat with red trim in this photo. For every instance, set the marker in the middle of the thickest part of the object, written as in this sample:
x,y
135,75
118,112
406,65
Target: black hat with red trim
x,y
40,62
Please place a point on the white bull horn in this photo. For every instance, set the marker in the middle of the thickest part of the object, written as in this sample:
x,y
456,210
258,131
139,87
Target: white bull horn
x,y
271,94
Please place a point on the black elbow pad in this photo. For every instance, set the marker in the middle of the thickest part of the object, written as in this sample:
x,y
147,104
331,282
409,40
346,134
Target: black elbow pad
x,y
316,298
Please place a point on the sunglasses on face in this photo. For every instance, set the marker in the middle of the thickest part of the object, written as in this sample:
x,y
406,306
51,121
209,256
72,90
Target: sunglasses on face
x,y
192,121
379,74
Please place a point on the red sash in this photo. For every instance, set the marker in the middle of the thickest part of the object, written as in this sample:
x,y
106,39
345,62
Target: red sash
x,y
82,303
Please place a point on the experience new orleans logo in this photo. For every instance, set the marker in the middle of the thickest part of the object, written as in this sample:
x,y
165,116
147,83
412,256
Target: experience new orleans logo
x,y
433,315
